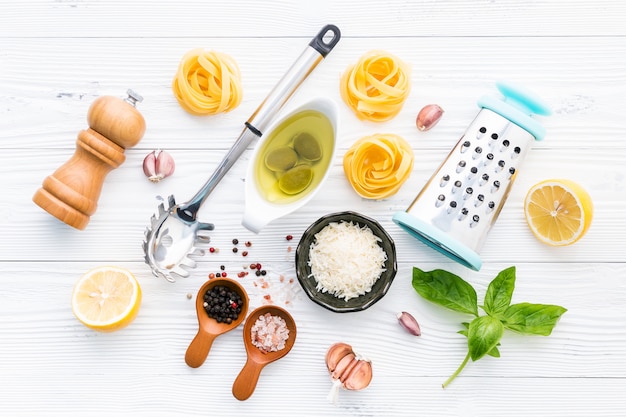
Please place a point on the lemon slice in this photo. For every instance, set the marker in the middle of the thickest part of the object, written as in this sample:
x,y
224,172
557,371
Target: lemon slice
x,y
106,298
558,212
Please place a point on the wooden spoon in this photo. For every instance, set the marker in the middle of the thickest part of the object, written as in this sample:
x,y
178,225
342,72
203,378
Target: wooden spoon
x,y
246,381
209,328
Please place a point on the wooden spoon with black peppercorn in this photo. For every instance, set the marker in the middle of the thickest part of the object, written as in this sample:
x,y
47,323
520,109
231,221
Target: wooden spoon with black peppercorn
x,y
257,358
230,302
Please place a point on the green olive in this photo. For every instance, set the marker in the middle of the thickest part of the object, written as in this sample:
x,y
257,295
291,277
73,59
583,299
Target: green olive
x,y
281,159
307,146
296,179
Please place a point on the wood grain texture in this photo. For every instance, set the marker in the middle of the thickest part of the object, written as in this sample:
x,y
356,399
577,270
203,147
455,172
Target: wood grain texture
x,y
58,56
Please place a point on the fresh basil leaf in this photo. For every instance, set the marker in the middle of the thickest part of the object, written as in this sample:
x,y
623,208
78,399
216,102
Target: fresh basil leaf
x,y
445,289
464,330
495,352
484,334
500,292
534,319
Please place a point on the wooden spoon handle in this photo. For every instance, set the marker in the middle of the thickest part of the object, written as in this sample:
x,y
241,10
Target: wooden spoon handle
x,y
199,348
244,385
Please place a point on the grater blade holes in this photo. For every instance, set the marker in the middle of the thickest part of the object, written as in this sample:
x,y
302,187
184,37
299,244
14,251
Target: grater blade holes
x,y
475,220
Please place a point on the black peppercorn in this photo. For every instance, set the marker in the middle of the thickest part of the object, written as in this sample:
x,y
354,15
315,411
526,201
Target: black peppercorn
x,y
223,304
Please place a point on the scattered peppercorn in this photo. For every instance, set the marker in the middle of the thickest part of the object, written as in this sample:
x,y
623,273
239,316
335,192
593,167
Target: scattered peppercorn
x,y
222,267
223,304
235,250
212,249
257,273
252,266
189,296
289,237
263,272
235,241
224,274
218,275
244,253
241,274
248,244
211,275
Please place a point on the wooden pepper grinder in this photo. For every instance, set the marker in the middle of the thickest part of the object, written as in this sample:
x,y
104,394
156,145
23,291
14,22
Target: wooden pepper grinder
x,y
71,193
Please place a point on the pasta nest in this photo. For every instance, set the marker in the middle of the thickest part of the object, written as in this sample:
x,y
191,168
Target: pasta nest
x,y
207,82
376,87
378,165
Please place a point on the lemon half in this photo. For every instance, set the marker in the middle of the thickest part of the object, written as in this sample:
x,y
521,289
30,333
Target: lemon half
x,y
558,211
106,298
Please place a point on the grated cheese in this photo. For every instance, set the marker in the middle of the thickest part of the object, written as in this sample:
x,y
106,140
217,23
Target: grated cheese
x,y
346,260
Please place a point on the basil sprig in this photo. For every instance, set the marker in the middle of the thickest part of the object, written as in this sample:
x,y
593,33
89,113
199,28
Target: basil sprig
x,y
485,332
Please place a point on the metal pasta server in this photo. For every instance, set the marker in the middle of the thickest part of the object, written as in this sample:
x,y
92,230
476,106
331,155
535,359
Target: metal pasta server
x,y
174,234
462,200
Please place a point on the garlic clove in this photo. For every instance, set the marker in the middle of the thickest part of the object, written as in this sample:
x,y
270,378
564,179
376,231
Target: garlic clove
x,y
409,323
428,117
335,353
149,164
342,366
158,165
165,165
360,375
345,367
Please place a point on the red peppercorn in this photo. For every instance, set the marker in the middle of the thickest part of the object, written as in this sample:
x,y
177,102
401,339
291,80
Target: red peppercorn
x,y
211,275
289,237
244,253
252,266
212,249
258,266
223,274
248,244
241,274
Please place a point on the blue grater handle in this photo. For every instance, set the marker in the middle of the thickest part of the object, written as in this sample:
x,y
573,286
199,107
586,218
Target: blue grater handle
x,y
518,105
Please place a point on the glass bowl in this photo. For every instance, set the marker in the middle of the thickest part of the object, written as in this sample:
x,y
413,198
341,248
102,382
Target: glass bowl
x,y
328,300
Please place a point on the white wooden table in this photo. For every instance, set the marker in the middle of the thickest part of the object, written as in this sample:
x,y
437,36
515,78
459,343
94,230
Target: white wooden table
x,y
57,56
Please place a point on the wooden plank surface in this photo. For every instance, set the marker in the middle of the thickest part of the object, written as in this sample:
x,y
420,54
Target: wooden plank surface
x,y
56,57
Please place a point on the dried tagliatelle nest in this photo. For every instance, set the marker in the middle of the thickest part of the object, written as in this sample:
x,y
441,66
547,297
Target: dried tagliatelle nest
x,y
207,82
378,165
376,87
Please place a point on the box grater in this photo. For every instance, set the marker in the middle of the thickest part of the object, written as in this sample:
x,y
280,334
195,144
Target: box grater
x,y
460,203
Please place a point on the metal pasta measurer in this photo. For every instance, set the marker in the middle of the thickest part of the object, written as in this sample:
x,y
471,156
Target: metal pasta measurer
x,y
462,200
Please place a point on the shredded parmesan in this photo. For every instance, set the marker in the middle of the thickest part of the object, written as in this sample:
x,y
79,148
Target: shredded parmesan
x,y
346,259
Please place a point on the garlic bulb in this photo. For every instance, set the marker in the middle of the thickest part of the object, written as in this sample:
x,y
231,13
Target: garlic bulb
x,y
158,165
348,369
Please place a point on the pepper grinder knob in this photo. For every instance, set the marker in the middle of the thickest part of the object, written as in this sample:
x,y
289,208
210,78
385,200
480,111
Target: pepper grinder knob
x,y
71,193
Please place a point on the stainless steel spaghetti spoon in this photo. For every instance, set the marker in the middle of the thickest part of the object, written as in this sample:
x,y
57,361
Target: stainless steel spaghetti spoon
x,y
175,235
